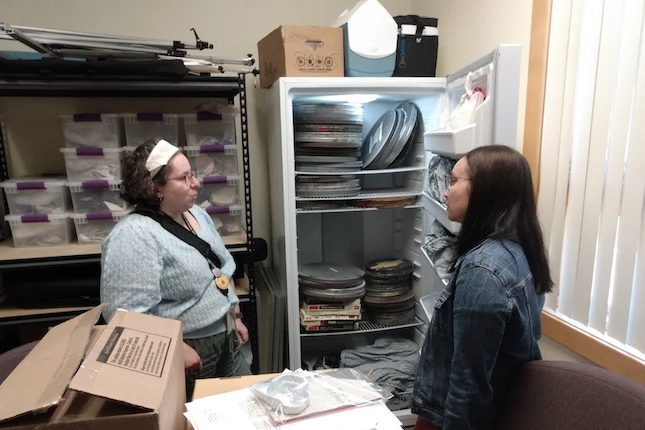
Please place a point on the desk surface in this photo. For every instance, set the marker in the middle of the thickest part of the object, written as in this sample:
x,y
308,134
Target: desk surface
x,y
210,387
213,386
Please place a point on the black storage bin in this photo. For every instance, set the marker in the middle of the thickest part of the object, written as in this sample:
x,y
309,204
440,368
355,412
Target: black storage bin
x,y
416,54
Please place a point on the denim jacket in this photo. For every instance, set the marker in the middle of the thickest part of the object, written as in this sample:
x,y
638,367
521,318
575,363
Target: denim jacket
x,y
486,324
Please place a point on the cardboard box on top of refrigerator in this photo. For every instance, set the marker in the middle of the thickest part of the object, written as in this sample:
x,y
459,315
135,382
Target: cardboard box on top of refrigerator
x,y
126,375
298,50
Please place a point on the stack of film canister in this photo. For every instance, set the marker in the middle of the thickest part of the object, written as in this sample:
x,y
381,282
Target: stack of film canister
x,y
328,138
391,138
389,299
388,144
330,296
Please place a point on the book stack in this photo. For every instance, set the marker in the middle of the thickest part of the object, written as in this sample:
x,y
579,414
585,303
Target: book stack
x,y
318,316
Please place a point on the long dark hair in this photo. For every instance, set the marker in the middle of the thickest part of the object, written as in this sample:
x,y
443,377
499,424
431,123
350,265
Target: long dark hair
x,y
137,187
502,206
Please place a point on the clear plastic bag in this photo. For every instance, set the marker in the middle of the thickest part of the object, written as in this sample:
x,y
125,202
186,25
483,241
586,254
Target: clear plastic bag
x,y
464,113
359,379
466,109
300,394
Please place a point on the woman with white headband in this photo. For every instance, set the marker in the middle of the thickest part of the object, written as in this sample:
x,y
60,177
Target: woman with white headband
x,y
148,268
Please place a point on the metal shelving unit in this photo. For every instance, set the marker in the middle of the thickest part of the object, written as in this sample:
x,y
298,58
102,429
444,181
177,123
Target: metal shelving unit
x,y
367,194
363,172
364,327
19,85
352,209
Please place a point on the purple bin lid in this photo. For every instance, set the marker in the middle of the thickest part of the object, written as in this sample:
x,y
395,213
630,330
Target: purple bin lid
x,y
96,183
34,218
95,216
205,149
217,210
89,151
30,185
214,179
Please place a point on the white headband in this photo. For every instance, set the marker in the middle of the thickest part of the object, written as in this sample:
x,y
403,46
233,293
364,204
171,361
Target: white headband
x,y
159,156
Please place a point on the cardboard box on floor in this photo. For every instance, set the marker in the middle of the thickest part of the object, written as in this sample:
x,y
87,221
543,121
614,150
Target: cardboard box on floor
x,y
298,50
132,377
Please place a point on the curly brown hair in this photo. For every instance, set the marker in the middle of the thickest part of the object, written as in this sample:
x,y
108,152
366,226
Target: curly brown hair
x,y
137,187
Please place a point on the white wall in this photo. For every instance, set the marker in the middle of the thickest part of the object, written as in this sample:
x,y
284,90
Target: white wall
x,y
234,27
469,29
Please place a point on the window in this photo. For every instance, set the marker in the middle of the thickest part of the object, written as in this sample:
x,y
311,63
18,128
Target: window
x,y
592,168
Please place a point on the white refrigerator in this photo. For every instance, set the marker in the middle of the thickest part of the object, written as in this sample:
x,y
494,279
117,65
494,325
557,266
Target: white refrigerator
x,y
352,235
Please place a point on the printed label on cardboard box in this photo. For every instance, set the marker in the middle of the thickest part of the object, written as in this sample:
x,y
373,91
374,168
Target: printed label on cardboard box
x,y
136,350
312,62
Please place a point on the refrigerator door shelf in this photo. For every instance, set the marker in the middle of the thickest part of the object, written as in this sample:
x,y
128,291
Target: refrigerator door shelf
x,y
436,279
428,302
455,144
435,209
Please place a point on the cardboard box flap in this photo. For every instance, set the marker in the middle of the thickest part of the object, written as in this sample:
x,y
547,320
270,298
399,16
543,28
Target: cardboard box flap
x,y
42,377
131,361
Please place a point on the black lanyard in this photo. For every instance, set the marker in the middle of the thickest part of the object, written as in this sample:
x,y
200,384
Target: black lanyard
x,y
188,236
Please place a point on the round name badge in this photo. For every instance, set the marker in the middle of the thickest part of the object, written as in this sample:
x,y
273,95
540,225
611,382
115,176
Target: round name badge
x,y
222,282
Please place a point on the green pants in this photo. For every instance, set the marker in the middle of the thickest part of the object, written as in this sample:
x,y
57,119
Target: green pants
x,y
220,356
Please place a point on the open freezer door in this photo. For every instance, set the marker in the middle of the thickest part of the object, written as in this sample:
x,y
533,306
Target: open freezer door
x,y
469,122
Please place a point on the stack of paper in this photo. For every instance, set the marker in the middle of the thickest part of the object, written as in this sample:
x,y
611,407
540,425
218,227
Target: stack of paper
x,y
241,410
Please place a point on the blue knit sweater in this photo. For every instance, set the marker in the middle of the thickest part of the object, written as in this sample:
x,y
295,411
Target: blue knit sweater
x,y
145,268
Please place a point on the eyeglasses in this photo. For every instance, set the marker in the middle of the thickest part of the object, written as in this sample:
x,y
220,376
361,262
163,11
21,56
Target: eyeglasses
x,y
452,180
187,178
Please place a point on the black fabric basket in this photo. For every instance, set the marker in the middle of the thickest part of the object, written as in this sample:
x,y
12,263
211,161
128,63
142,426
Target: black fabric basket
x,y
416,54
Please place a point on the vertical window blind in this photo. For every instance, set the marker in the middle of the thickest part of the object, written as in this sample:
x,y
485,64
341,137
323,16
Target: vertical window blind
x,y
592,168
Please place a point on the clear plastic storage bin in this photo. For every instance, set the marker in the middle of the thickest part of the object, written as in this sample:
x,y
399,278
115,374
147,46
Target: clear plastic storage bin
x,y
85,164
34,230
140,127
209,160
36,195
228,220
83,130
94,227
97,195
208,128
218,191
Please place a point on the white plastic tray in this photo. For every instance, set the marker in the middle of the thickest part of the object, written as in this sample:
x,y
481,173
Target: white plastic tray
x,y
428,302
440,214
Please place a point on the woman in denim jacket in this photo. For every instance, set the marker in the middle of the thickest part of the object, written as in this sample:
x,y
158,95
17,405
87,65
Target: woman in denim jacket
x,y
486,323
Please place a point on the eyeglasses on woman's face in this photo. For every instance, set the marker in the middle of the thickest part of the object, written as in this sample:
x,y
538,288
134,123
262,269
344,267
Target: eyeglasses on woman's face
x,y
187,178
451,180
